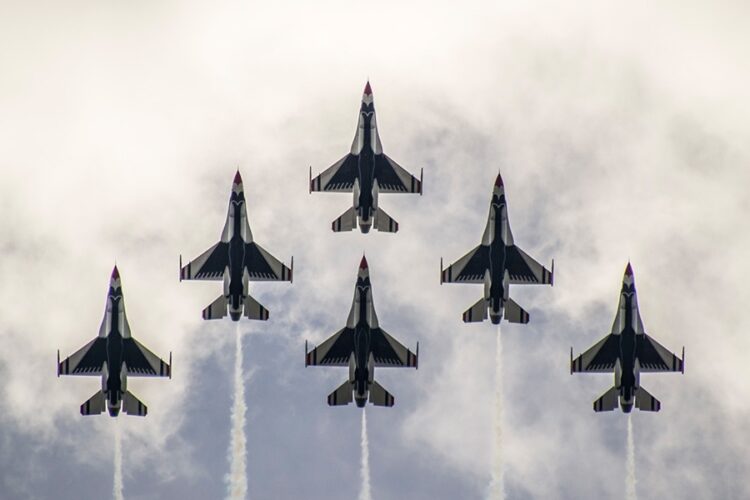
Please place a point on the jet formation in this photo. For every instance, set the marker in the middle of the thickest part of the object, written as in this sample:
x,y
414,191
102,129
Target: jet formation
x,y
497,263
236,259
627,352
361,345
114,355
367,172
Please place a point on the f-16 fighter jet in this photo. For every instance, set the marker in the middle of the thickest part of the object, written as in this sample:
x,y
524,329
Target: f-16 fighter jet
x,y
362,345
237,260
114,355
367,172
497,263
627,352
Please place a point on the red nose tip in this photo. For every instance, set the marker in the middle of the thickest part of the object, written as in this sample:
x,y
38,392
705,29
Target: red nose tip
x,y
628,270
115,274
237,178
363,264
499,181
368,90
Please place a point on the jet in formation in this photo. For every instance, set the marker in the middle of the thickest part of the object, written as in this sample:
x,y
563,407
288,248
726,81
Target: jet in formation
x,y
362,345
497,263
236,259
367,172
114,355
627,352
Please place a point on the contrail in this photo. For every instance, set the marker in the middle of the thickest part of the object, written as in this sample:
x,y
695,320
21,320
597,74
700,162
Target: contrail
x,y
497,484
630,492
237,477
117,486
365,493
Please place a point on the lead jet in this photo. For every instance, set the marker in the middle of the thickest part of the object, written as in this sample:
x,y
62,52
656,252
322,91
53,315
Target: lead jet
x,y
114,355
367,172
236,259
497,263
627,352
361,345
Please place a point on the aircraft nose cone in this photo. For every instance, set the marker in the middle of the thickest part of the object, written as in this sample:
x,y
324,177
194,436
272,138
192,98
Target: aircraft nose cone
x,y
499,181
237,178
629,270
361,402
363,263
115,274
368,89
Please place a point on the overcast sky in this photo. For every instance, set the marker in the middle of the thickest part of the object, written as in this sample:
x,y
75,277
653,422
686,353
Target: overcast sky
x,y
620,131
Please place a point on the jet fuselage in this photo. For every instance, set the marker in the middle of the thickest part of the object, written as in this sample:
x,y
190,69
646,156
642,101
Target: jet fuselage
x,y
496,286
114,377
236,288
361,362
366,199
629,375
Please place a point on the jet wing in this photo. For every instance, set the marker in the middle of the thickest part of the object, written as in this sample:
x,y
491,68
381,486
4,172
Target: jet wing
x,y
524,270
339,177
335,351
601,358
388,351
262,266
210,265
88,360
141,362
653,357
470,268
393,178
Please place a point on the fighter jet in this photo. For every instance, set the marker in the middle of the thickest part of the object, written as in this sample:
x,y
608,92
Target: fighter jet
x,y
367,172
237,260
627,352
497,263
362,345
114,355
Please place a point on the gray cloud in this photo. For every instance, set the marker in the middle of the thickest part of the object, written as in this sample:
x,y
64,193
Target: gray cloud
x,y
620,134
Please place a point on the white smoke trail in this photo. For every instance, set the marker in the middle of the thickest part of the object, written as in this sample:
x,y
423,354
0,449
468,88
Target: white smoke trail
x,y
237,477
630,492
365,493
497,484
117,485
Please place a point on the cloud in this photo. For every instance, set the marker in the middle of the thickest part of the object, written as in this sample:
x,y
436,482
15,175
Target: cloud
x,y
620,135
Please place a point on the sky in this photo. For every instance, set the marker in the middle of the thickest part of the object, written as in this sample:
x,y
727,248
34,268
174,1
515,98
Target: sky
x,y
620,132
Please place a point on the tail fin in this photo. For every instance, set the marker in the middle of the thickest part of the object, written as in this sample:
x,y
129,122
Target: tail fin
x,y
95,405
379,396
384,222
347,221
341,396
477,312
132,406
514,313
217,309
645,401
608,401
254,310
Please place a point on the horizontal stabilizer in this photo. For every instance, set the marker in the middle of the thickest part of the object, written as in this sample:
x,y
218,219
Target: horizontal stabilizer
x,y
341,396
645,401
217,309
514,313
384,222
347,221
95,405
477,312
608,401
379,396
253,309
132,406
